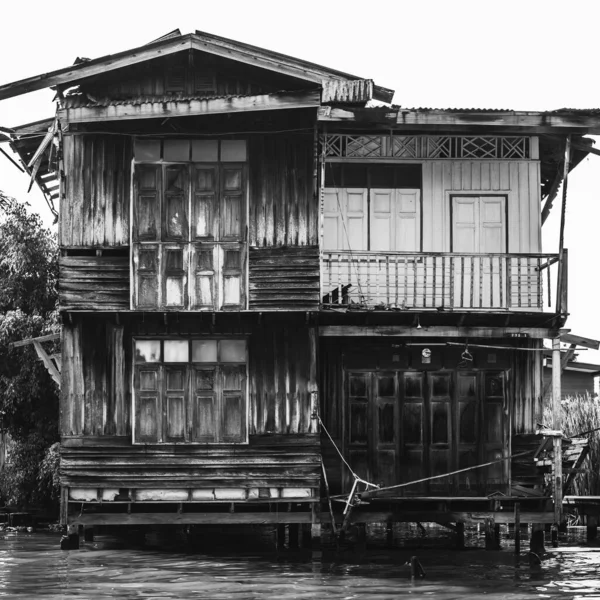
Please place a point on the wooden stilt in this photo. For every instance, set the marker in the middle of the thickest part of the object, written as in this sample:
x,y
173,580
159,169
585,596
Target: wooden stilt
x,y
416,568
556,425
592,527
315,532
88,534
554,535
389,534
536,542
460,536
280,536
361,537
517,528
490,534
306,535
496,536
293,536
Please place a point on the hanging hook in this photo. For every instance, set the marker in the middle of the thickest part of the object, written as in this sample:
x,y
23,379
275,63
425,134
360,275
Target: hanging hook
x,y
466,357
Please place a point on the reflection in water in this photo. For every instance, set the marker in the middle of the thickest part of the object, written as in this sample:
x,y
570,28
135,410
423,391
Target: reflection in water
x,y
32,565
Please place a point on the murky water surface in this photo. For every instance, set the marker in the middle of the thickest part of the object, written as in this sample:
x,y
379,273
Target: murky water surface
x,y
32,565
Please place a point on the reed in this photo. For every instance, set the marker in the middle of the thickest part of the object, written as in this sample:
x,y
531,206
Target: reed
x,y
581,414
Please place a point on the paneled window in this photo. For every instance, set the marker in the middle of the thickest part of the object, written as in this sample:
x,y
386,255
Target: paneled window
x,y
188,229
190,391
372,207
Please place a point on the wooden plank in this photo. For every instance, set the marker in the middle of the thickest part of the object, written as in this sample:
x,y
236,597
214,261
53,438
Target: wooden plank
x,y
445,331
578,340
97,66
42,338
424,516
186,108
256,518
50,366
399,118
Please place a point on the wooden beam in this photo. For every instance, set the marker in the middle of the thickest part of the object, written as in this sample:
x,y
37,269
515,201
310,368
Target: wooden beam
x,y
50,366
556,425
98,66
578,340
42,338
398,118
257,518
188,108
425,516
441,331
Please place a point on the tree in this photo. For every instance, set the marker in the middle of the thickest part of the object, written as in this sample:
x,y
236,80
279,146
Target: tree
x,y
28,308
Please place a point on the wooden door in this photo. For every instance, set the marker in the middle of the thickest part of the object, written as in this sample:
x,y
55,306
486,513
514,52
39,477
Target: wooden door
x,y
479,227
405,426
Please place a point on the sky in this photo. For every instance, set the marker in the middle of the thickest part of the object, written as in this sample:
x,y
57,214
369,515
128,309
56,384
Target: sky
x,y
521,55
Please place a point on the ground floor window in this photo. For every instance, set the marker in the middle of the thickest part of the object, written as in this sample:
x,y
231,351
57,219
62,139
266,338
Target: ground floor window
x,y
190,390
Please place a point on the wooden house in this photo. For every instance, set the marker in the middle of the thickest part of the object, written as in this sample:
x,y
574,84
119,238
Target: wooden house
x,y
266,265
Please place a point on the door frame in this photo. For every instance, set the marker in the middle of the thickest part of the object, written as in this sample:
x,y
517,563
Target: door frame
x,y
454,442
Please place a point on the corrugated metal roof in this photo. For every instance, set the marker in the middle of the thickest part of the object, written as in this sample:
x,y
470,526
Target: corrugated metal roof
x,y
80,100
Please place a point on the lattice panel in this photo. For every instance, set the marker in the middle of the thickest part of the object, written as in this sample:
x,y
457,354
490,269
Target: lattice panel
x,y
406,147
364,146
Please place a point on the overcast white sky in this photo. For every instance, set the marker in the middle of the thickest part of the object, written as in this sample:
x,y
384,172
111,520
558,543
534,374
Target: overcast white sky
x,y
518,54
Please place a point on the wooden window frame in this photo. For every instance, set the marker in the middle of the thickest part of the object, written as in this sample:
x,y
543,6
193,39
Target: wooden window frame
x,y
216,238
190,368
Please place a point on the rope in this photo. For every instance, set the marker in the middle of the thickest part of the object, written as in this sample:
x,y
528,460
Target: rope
x,y
487,464
357,479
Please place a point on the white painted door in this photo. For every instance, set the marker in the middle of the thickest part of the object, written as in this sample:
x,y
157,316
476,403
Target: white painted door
x,y
479,228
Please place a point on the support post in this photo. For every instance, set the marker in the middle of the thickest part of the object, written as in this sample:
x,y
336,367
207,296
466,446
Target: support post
x,y
460,536
280,536
316,527
491,535
592,527
556,426
536,543
517,528
389,534
293,540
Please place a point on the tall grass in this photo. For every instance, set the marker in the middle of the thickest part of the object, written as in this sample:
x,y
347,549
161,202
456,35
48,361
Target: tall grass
x,y
581,414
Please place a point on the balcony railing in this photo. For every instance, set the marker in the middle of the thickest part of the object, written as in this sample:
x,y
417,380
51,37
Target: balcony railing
x,y
410,280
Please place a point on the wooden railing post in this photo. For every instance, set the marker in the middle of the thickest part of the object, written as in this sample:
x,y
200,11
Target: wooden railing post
x,y
556,426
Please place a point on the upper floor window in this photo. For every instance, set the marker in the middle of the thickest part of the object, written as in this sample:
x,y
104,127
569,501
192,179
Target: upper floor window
x,y
189,224
190,390
372,207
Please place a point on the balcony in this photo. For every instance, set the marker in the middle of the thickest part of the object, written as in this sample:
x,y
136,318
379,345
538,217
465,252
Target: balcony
x,y
450,281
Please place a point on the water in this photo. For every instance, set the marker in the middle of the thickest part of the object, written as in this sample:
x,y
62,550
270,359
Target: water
x,y
32,565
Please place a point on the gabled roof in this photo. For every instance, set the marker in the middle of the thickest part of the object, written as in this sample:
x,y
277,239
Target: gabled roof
x,y
175,42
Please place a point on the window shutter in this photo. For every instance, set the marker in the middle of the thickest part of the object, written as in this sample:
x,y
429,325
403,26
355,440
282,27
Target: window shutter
x,y
204,262
146,260
408,220
176,194
174,276
148,414
146,216
204,405
233,406
174,405
231,217
204,190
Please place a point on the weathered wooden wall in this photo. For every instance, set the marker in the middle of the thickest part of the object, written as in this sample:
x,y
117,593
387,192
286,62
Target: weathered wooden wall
x,y
94,209
283,448
189,74
527,388
268,461
93,282
284,278
283,207
96,379
280,379
519,180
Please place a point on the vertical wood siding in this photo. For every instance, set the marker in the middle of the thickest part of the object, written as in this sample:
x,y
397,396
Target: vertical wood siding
x,y
280,367
283,207
527,388
95,391
94,209
520,181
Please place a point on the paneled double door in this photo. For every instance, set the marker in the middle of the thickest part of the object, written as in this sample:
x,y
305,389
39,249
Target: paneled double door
x,y
401,426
